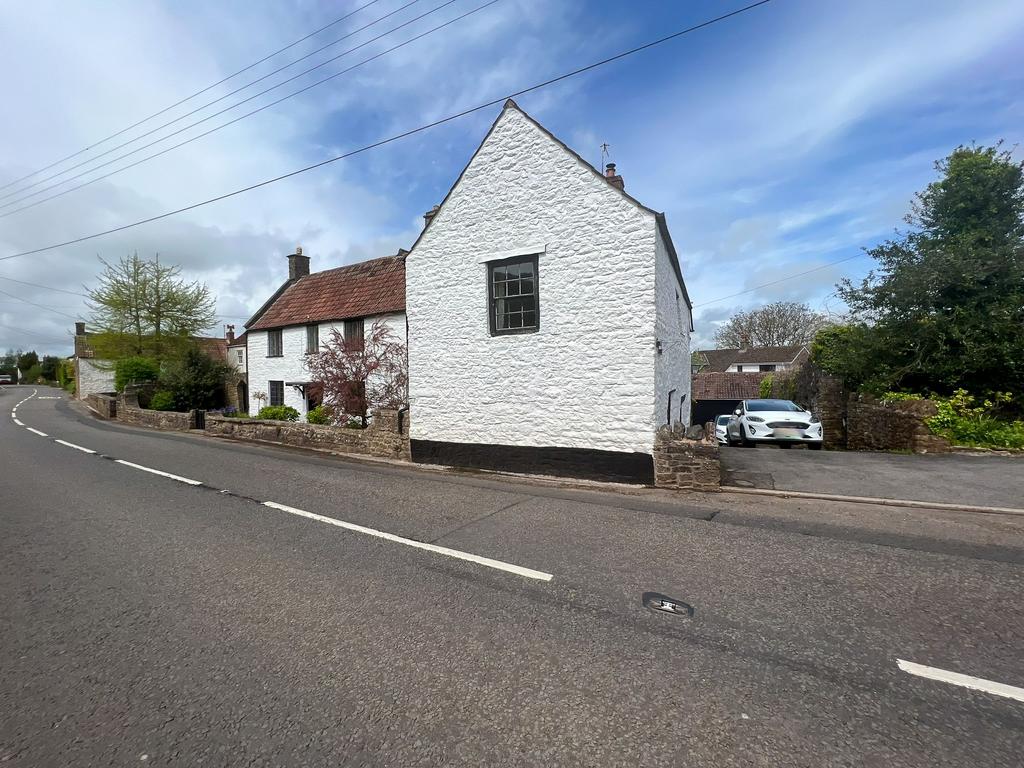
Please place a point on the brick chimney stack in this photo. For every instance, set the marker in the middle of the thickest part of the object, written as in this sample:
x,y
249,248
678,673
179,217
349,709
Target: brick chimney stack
x,y
229,334
79,329
613,178
429,215
298,265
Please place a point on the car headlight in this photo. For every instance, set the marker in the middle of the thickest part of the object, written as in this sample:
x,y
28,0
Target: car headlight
x,y
754,418
815,420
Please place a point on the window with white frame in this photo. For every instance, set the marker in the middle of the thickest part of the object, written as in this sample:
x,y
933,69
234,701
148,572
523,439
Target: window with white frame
x,y
276,390
512,289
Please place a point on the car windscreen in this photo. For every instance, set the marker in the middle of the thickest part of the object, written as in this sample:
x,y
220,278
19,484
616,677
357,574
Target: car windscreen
x,y
773,405
722,420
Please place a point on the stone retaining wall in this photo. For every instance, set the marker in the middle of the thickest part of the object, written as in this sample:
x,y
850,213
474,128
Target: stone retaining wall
x,y
105,405
169,420
876,426
387,436
685,464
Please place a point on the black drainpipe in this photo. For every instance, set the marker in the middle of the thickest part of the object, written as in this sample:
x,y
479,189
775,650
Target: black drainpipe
x,y
401,418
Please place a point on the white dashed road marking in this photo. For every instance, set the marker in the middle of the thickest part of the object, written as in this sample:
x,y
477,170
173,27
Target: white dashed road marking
x,y
76,447
518,570
966,681
458,555
179,478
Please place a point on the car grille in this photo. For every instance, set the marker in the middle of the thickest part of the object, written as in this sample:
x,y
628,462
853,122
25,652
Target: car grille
x,y
787,425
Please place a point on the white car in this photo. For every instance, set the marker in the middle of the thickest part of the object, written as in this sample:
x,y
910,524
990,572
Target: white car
x,y
6,378
721,422
782,422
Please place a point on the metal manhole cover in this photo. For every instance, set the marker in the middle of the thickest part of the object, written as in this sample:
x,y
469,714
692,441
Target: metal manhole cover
x,y
665,604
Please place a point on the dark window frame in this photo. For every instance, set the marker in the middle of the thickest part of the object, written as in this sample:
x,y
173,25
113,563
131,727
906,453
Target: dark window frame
x,y
270,392
277,333
312,335
354,330
492,300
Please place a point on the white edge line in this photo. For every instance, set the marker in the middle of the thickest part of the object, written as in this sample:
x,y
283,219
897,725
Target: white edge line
x,y
486,561
179,478
18,423
72,445
36,431
967,681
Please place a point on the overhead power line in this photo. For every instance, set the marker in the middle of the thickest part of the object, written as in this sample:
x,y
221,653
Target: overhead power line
x,y
781,280
265,91
189,98
40,306
37,335
395,137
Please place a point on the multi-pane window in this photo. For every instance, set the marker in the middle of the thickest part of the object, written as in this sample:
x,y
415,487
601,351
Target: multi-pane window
x,y
275,344
312,338
239,356
513,295
354,334
276,390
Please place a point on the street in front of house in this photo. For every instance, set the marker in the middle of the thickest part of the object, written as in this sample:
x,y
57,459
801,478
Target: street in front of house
x,y
183,623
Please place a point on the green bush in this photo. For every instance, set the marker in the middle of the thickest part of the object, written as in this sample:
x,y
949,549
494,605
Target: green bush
x,y
964,421
764,389
162,401
318,415
196,380
278,413
134,369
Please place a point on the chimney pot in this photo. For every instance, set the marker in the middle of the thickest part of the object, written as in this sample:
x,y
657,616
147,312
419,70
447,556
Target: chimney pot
x,y
429,215
230,334
298,265
613,177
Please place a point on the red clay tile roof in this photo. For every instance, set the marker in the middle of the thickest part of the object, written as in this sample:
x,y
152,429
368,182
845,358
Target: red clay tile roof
x,y
214,347
240,341
721,359
727,386
369,288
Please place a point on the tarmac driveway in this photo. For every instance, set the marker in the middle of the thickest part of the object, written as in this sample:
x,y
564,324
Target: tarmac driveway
x,y
985,480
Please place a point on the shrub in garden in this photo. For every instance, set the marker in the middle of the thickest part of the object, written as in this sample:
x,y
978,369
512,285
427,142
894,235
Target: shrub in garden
x,y
134,369
162,401
318,415
278,413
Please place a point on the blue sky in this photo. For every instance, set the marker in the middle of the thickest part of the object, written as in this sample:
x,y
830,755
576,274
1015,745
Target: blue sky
x,y
776,142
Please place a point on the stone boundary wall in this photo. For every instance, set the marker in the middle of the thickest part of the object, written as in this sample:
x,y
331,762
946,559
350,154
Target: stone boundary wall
x,y
129,412
383,438
686,463
876,426
105,405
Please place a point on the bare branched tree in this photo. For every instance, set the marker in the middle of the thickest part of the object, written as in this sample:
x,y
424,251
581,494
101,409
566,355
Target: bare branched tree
x,y
780,324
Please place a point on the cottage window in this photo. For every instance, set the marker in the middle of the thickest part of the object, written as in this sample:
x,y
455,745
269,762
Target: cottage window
x,y
312,338
239,356
354,335
276,389
275,344
767,368
512,286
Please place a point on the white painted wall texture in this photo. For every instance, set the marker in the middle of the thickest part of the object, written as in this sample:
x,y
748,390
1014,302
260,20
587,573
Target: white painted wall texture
x,y
587,378
672,366
290,366
94,377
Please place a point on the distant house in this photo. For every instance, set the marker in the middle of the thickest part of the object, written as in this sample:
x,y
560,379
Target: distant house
x,y
94,375
549,322
301,314
716,393
748,359
238,390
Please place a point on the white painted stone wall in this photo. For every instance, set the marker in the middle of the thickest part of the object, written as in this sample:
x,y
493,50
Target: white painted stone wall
x,y
94,376
586,379
672,366
233,358
290,366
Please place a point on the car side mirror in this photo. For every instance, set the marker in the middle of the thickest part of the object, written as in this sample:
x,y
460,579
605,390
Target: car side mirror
x,y
737,412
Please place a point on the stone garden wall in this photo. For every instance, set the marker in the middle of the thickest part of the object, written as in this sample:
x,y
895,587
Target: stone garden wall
x,y
876,426
387,435
686,463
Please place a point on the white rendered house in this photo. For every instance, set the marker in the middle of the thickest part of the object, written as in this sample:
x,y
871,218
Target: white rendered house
x,y
304,311
549,323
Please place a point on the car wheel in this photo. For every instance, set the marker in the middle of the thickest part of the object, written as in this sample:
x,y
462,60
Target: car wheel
x,y
814,446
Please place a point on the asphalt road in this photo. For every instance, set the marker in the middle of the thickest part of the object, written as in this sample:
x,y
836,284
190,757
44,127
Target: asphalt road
x,y
146,621
954,478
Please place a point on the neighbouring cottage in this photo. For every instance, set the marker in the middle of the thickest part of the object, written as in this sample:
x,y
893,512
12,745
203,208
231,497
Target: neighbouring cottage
x,y
749,359
300,316
237,389
549,322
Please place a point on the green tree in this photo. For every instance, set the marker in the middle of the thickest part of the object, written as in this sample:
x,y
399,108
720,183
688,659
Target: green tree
x,y
196,380
26,361
135,369
144,308
49,365
945,307
779,324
